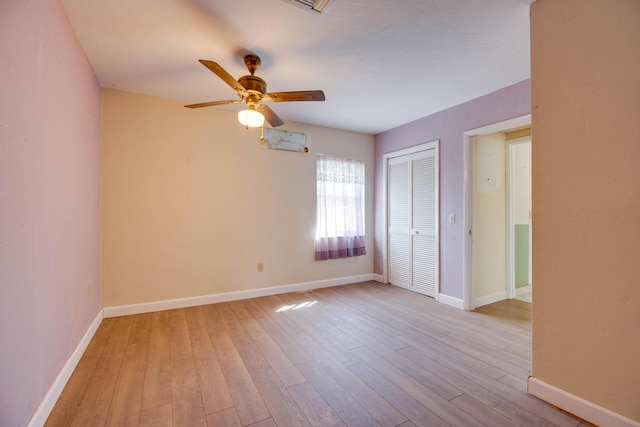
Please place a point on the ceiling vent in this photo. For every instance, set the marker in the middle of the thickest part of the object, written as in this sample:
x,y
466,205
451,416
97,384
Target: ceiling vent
x,y
319,7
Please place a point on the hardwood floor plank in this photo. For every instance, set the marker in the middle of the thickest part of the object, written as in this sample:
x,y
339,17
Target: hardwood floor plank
x,y
353,324
265,423
379,309
179,333
516,383
315,408
159,416
213,322
96,401
272,304
513,312
248,401
281,364
227,418
127,395
215,391
239,311
481,412
359,309
347,408
371,401
437,404
157,378
405,403
185,394
196,317
287,344
491,356
160,319
448,355
113,353
414,371
140,329
324,337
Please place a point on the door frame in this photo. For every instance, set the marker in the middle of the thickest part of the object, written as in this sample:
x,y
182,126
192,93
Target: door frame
x,y
385,164
468,285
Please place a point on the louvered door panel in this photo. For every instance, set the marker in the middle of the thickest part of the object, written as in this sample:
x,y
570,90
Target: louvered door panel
x,y
425,265
424,195
424,214
399,241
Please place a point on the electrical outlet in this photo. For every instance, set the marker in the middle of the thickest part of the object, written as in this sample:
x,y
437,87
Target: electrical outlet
x,y
260,267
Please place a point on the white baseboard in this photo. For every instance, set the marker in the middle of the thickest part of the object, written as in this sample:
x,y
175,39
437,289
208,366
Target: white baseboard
x,y
453,302
148,307
523,290
50,399
490,299
379,278
578,406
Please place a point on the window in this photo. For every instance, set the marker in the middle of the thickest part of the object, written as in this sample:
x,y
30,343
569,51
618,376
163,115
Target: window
x,y
340,208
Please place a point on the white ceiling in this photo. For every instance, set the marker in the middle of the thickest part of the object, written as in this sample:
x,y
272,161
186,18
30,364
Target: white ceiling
x,y
381,63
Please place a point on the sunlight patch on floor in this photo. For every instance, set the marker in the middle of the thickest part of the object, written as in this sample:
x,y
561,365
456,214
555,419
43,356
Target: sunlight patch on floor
x,y
305,304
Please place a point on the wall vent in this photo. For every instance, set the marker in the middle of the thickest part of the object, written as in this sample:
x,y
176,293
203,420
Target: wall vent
x,y
319,7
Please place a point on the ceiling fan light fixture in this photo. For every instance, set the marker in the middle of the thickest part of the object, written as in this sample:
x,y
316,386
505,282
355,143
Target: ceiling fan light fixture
x,y
250,117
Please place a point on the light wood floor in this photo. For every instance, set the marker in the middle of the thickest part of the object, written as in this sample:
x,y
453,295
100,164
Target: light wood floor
x,y
360,355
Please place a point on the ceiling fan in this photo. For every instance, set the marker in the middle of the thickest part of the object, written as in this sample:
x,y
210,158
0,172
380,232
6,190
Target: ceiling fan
x,y
252,90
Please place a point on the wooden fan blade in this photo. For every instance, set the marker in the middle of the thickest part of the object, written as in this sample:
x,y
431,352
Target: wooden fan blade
x,y
270,116
222,73
210,104
301,95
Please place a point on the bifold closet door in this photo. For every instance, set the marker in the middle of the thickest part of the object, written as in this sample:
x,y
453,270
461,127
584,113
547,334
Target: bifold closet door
x,y
412,214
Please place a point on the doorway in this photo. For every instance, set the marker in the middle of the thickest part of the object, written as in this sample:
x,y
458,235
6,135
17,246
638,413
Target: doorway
x,y
494,249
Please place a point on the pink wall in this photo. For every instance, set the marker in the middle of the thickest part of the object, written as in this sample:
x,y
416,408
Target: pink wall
x,y
49,202
448,126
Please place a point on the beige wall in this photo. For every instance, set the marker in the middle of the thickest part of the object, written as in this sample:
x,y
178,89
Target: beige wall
x,y
586,199
191,203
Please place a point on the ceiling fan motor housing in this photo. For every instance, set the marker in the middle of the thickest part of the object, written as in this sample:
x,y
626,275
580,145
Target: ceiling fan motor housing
x,y
253,83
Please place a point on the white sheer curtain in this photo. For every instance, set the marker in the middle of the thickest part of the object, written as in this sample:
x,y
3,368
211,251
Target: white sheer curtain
x,y
340,208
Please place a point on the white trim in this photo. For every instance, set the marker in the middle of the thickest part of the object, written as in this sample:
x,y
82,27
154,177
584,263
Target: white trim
x,y
148,307
50,399
510,274
467,220
522,290
379,278
467,242
411,150
578,406
453,302
490,299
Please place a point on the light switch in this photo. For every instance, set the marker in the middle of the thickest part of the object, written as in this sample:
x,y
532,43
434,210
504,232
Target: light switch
x,y
452,218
